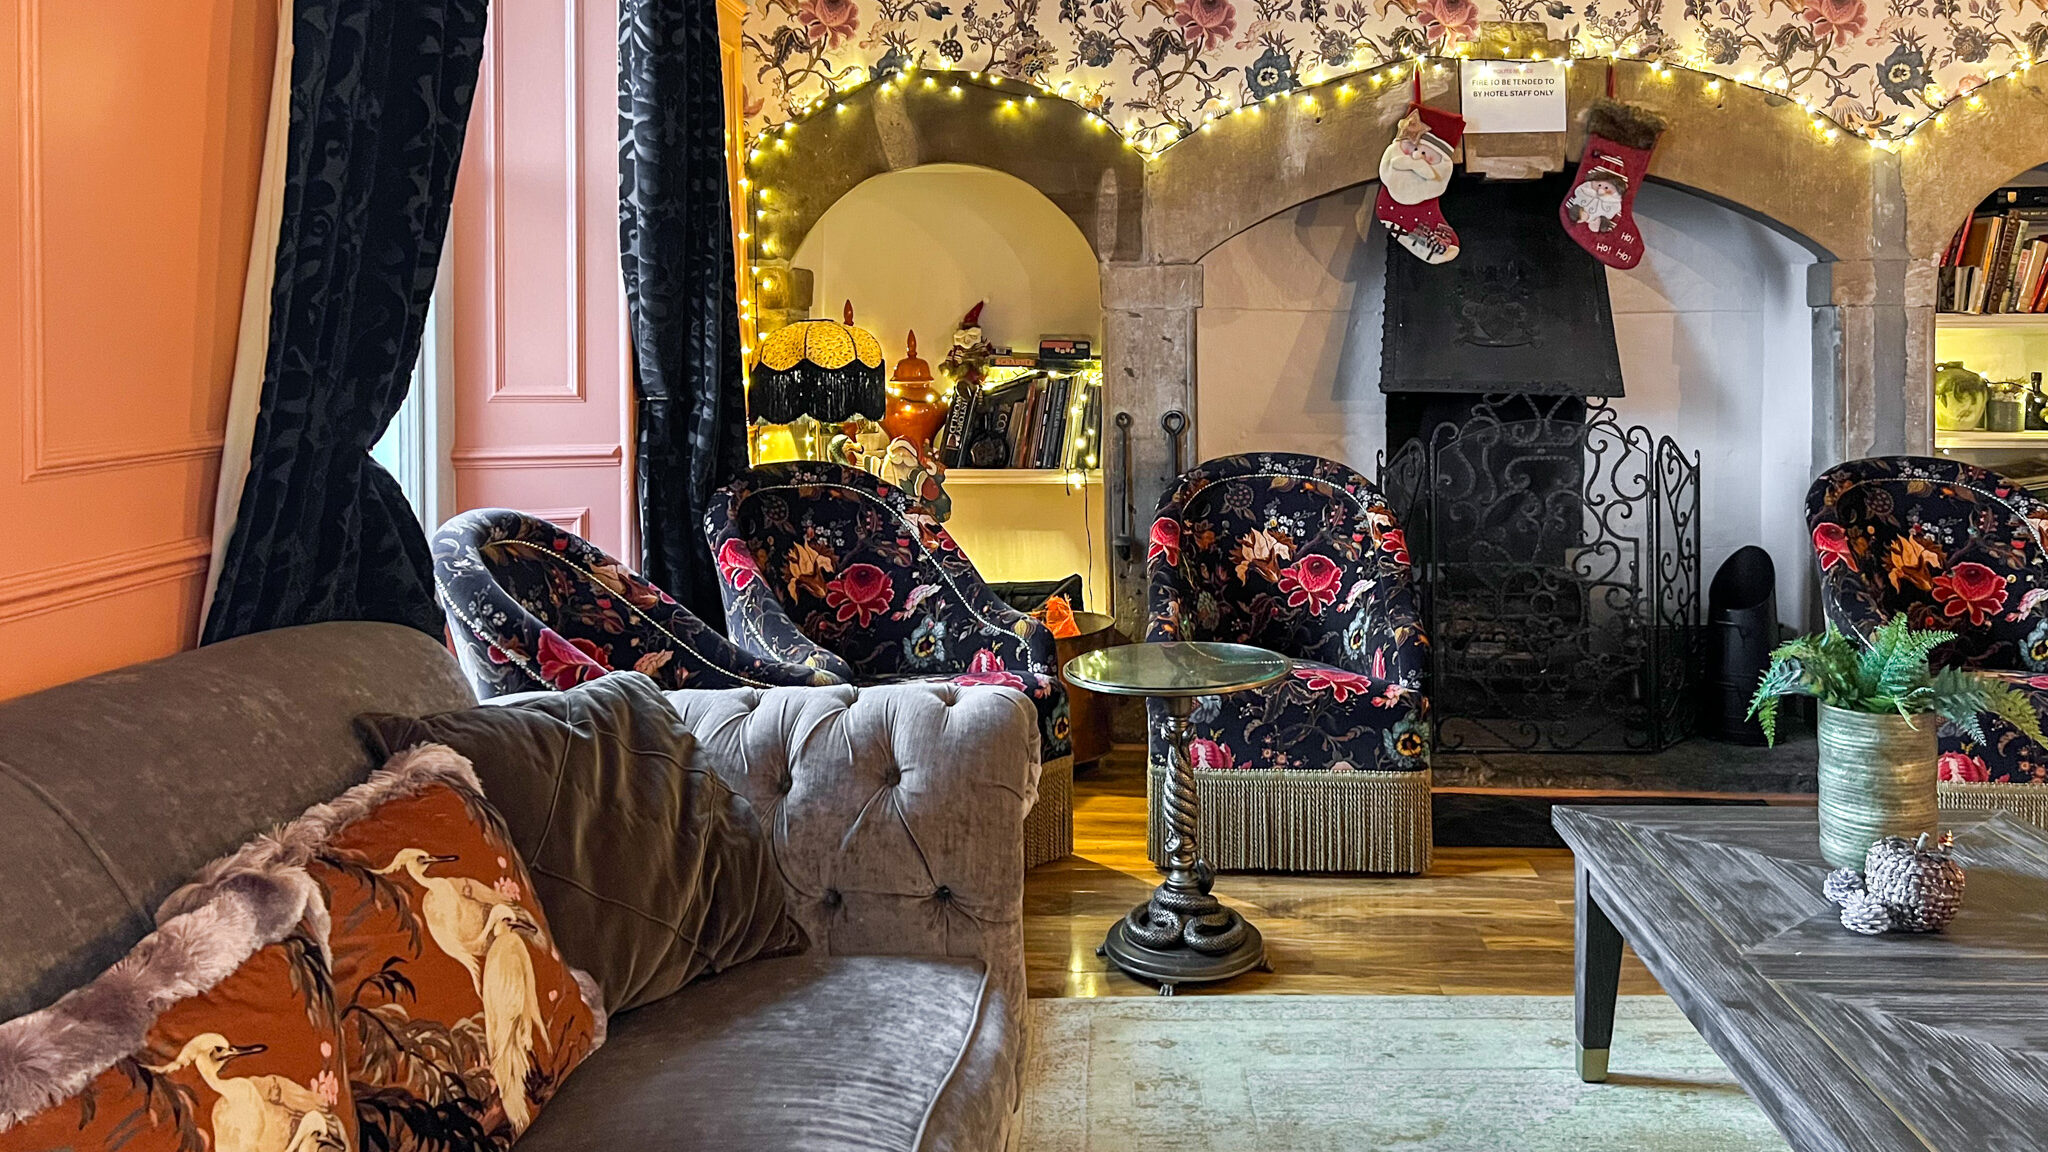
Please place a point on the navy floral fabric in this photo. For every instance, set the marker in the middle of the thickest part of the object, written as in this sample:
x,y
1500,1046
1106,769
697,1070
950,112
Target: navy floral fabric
x,y
532,608
827,566
1300,555
1954,547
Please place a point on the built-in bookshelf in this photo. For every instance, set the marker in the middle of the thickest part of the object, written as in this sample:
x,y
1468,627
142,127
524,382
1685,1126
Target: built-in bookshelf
x,y
1035,417
1997,262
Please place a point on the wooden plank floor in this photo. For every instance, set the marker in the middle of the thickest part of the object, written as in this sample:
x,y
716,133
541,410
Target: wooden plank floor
x,y
1482,920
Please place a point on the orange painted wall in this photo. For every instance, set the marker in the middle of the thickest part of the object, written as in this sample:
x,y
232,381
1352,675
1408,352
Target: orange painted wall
x,y
130,139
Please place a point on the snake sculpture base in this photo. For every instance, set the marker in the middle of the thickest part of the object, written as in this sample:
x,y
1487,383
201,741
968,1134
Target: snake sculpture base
x,y
1183,935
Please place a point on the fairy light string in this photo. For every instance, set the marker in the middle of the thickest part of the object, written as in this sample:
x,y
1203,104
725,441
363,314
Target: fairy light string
x,y
1019,98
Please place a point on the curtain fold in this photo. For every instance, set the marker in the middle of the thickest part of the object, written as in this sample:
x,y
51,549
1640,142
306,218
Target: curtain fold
x,y
380,97
675,235
252,339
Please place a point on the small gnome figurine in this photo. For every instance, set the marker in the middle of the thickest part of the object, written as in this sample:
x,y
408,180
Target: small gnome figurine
x,y
1906,886
910,468
967,360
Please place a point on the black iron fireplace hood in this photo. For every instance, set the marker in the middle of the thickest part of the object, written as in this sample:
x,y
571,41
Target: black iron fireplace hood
x,y
1522,309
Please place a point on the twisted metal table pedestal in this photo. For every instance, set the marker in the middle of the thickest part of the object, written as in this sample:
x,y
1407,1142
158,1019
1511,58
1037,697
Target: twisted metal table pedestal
x,y
1183,935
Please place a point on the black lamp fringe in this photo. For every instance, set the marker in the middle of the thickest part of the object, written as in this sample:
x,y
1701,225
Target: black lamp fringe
x,y
829,396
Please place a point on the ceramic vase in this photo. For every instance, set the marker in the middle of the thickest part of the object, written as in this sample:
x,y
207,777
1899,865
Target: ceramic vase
x,y
1877,779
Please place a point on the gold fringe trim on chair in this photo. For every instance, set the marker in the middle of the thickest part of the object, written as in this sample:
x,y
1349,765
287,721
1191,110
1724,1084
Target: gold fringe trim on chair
x,y
1294,821
2027,802
1049,826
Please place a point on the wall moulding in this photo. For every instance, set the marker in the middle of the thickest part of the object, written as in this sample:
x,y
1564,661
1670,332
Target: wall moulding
x,y
47,589
575,520
540,456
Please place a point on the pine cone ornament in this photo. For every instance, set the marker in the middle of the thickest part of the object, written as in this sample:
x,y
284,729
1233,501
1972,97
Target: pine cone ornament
x,y
1841,884
1866,914
1920,882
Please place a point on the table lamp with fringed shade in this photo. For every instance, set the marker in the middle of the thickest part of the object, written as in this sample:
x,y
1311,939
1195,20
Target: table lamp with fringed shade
x,y
827,370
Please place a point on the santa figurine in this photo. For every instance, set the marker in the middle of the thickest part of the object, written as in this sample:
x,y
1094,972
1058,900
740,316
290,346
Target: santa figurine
x,y
967,360
910,468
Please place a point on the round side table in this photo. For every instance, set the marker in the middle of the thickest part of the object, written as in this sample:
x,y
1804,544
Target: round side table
x,y
1182,935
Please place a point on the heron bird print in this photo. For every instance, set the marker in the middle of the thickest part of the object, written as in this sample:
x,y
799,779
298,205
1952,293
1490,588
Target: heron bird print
x,y
259,1113
457,909
512,1018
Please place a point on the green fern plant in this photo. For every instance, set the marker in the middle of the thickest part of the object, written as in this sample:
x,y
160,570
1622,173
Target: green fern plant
x,y
1889,676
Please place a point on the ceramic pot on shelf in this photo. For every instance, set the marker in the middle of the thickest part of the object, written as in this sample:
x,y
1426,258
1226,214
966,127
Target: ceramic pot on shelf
x,y
1960,397
1877,779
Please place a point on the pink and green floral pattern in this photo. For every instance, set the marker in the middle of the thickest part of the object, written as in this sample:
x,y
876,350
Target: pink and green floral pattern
x,y
1300,555
531,608
1953,547
1158,68
829,567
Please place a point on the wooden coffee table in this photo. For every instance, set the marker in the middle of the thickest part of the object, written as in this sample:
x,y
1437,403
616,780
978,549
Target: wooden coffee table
x,y
1845,1041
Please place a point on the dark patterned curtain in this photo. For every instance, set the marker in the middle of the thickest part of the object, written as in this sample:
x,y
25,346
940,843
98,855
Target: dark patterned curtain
x,y
381,91
675,231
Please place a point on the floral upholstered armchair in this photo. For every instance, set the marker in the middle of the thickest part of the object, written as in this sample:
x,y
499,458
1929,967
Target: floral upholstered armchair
x,y
1958,548
532,607
827,566
1326,769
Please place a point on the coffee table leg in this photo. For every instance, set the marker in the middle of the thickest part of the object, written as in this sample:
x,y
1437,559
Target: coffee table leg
x,y
1597,981
1183,934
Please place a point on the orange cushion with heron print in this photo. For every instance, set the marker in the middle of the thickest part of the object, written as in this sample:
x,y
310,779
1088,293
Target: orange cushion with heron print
x,y
459,1017
217,1032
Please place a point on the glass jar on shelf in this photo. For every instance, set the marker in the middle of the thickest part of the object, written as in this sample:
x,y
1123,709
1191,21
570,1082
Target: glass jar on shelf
x,y
2006,410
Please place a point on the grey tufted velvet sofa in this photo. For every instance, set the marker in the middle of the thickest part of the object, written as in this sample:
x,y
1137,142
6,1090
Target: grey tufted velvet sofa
x,y
896,814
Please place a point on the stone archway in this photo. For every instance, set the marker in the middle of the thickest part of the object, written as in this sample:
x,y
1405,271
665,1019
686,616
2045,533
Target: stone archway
x,y
1149,223
1976,147
937,118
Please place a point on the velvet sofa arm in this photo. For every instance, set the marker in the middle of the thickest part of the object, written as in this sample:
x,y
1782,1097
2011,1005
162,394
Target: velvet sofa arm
x,y
896,812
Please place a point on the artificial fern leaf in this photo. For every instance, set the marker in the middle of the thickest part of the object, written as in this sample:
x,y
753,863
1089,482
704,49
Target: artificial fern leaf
x,y
1896,661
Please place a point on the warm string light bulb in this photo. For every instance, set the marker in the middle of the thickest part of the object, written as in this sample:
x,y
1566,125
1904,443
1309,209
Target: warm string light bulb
x,y
1150,143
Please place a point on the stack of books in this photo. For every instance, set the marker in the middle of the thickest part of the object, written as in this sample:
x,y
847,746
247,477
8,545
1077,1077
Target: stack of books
x,y
1998,261
1031,421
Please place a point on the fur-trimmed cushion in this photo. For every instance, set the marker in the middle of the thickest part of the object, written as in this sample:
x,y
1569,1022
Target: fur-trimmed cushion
x,y
219,1030
458,1015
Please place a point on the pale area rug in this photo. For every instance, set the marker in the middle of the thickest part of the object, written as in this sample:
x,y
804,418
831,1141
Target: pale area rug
x,y
1353,1073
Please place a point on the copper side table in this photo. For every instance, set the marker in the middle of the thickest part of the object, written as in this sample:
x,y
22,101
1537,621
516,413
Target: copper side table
x,y
1182,935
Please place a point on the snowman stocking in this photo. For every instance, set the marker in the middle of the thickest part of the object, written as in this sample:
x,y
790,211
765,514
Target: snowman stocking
x,y
1414,170
1599,213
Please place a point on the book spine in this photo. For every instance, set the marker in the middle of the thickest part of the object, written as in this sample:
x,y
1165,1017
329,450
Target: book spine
x,y
1051,445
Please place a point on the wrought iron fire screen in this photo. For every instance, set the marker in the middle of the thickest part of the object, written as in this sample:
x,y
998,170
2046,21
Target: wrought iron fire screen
x,y
1558,560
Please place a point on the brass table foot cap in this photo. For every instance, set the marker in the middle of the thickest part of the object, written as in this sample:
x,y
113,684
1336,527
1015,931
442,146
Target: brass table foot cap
x,y
1593,1065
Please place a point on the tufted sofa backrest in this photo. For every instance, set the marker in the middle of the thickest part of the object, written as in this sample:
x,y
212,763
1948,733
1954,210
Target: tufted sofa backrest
x,y
896,812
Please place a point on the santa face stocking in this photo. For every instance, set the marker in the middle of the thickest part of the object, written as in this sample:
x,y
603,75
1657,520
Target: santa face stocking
x,y
1599,213
1414,170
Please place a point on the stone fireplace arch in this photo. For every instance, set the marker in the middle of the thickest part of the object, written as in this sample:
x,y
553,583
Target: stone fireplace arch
x,y
1149,223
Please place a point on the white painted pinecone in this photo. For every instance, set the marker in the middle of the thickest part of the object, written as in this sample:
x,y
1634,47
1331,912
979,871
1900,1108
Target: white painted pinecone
x,y
1865,913
1922,885
1841,884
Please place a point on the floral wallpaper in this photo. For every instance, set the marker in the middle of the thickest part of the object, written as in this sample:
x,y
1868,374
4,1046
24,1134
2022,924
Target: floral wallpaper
x,y
1157,68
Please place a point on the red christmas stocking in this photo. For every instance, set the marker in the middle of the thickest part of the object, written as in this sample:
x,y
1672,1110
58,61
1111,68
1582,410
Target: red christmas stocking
x,y
1414,170
1600,212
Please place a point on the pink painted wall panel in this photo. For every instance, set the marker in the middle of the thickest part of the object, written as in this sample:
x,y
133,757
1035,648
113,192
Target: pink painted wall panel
x,y
542,392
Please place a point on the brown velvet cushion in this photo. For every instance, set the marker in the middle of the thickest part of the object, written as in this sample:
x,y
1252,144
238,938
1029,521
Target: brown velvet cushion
x,y
652,871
